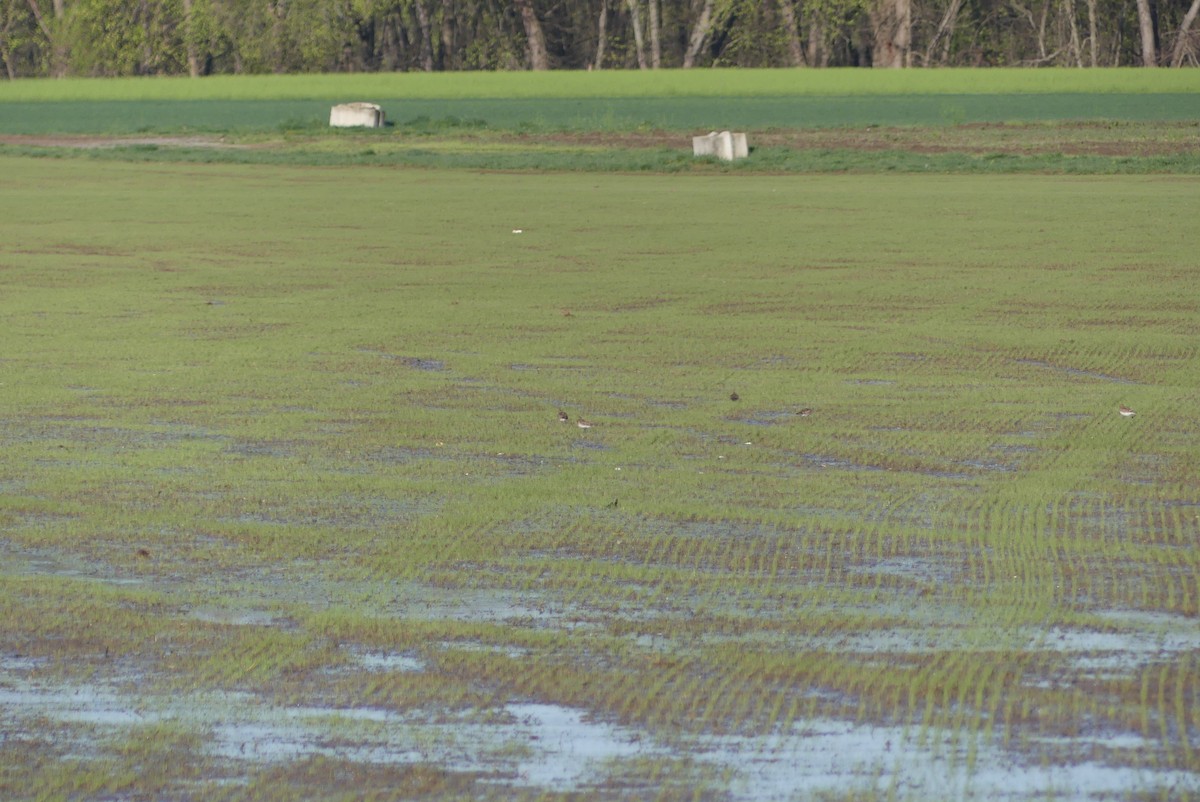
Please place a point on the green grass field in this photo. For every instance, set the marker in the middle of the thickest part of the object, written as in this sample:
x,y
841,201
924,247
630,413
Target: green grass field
x,y
559,84
590,114
287,510
604,101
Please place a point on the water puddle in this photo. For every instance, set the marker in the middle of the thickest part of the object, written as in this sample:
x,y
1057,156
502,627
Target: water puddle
x,y
1141,638
563,749
547,746
234,617
917,569
838,758
390,661
837,463
18,561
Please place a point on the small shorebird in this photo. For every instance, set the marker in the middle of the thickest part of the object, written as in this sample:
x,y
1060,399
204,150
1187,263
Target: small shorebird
x,y
1125,411
583,424
562,417
734,396
804,413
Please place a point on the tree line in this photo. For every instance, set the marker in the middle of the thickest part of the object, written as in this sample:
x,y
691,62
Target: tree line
x,y
202,37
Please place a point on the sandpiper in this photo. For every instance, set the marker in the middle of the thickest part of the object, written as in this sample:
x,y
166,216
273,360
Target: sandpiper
x,y
583,424
562,417
1125,411
804,413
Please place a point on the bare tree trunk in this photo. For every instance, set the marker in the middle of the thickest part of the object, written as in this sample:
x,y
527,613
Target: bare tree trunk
x,y
1092,34
1041,31
818,54
792,31
5,51
1182,40
699,34
1146,24
1076,50
638,39
892,23
944,33
539,59
52,29
193,59
655,44
601,36
903,38
426,35
449,53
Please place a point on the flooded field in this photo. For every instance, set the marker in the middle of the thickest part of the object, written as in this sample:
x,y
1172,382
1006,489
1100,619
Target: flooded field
x,y
289,508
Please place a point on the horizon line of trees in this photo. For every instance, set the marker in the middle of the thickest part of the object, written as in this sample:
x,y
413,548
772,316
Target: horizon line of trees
x,y
58,38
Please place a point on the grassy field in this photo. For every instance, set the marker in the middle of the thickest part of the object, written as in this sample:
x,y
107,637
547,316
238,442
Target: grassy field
x,y
610,115
287,511
604,101
560,84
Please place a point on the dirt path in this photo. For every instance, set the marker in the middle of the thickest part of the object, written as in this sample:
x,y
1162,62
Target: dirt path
x,y
1098,139
1084,138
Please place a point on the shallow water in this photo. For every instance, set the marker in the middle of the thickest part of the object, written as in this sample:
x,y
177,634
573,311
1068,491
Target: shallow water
x,y
562,749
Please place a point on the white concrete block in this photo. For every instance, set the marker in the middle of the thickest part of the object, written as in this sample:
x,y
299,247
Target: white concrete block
x,y
705,145
356,115
725,145
740,148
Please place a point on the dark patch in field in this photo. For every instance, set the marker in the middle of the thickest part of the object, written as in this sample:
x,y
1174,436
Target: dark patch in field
x,y
423,364
767,417
1089,374
260,448
414,362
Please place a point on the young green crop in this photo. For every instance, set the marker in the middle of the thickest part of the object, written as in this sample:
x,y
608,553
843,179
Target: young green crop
x,y
283,442
708,83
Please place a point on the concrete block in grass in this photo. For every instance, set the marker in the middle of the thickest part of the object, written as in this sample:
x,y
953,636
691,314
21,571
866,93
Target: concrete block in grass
x,y
725,145
356,115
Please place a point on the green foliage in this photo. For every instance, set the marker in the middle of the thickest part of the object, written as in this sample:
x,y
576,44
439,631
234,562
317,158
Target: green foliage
x,y
162,37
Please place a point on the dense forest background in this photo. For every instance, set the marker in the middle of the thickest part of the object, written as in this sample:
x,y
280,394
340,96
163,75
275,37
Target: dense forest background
x,y
202,37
